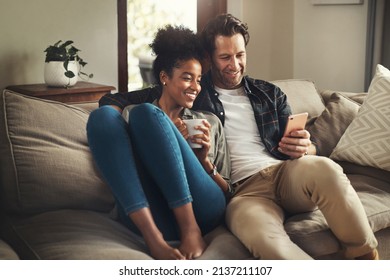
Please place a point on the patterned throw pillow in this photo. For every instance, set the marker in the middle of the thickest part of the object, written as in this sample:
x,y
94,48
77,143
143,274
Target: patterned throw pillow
x,y
367,140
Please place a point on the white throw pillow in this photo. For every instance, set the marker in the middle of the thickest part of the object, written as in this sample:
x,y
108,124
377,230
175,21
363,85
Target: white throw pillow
x,y
367,140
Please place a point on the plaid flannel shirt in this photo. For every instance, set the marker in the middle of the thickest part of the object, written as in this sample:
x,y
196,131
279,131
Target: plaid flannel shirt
x,y
269,105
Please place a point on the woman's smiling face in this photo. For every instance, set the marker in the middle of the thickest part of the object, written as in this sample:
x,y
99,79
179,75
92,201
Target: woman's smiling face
x,y
183,85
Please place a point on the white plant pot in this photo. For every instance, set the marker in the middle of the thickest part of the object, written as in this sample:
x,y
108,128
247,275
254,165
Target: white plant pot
x,y
54,74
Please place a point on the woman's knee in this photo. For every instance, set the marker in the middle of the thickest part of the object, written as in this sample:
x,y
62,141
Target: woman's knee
x,y
103,120
142,111
148,122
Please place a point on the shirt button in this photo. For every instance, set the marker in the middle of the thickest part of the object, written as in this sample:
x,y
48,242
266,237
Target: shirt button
x,y
221,113
215,94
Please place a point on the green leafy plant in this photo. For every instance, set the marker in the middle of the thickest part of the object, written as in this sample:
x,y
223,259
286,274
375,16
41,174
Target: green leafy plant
x,y
66,52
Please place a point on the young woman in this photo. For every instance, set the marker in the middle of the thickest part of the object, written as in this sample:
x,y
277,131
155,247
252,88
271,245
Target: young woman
x,y
164,189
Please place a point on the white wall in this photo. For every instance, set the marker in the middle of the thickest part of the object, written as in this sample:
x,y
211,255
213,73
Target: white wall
x,y
28,27
330,44
295,39
289,39
270,49
270,52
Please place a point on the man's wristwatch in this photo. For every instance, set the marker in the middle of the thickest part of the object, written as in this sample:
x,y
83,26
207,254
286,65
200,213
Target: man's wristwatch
x,y
213,171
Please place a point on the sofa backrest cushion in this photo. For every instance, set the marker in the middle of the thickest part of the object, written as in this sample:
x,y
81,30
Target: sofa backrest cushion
x,y
45,161
303,96
328,128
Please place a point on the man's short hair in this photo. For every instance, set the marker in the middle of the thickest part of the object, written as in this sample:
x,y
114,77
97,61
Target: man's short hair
x,y
225,25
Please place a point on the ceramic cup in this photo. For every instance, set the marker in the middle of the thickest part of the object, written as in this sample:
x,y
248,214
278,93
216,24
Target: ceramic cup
x,y
191,124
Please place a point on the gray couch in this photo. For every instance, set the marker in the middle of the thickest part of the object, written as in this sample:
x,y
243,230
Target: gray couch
x,y
54,204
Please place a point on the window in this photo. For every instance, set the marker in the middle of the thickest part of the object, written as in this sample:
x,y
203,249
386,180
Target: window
x,y
144,17
138,21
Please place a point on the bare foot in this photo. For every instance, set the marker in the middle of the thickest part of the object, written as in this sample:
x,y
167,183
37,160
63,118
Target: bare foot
x,y
161,250
192,245
166,252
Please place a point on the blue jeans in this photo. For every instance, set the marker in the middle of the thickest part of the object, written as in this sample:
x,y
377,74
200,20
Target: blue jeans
x,y
148,163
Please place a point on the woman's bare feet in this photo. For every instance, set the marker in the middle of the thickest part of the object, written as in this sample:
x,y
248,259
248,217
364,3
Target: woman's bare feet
x,y
161,250
192,244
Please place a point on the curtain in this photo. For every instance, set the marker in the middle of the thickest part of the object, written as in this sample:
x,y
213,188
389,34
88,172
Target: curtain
x,y
378,38
386,36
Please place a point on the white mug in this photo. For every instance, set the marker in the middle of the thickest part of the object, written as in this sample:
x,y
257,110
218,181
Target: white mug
x,y
191,124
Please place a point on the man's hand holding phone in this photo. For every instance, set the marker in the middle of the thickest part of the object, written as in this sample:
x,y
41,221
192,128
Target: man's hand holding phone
x,y
296,140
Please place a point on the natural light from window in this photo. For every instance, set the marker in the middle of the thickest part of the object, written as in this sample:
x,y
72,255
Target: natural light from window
x,y
144,17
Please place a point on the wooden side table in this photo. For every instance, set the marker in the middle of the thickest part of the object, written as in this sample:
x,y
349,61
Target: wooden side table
x,y
79,93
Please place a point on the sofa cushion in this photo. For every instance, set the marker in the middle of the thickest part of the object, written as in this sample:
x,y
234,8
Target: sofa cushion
x,y
357,97
45,161
75,235
302,95
328,128
6,252
367,140
88,235
376,173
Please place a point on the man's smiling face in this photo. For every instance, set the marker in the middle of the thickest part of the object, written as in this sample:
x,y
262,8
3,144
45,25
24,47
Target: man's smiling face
x,y
228,61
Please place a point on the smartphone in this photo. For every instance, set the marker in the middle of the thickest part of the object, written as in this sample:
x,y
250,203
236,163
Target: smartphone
x,y
295,122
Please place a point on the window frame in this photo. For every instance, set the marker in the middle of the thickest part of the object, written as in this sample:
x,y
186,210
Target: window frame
x,y
209,8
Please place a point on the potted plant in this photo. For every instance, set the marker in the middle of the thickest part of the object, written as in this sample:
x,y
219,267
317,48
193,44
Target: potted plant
x,y
63,64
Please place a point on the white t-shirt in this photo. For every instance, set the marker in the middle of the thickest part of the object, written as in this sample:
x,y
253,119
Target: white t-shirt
x,y
247,152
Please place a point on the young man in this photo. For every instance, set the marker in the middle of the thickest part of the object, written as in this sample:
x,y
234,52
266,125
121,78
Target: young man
x,y
273,174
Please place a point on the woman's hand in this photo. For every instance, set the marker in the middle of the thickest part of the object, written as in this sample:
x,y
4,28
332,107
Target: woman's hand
x,y
202,138
201,153
181,126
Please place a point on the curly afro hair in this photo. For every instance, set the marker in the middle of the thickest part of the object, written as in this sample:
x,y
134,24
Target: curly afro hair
x,y
173,45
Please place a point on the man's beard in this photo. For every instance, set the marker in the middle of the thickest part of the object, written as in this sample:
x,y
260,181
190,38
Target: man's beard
x,y
229,83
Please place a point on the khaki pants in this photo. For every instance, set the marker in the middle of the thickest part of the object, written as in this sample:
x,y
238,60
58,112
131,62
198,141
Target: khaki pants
x,y
256,212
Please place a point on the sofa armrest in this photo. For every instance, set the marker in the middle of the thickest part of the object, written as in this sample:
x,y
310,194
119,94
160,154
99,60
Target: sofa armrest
x,y
88,106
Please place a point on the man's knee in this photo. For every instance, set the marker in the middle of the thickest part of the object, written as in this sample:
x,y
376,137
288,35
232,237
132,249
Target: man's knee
x,y
324,177
246,212
320,167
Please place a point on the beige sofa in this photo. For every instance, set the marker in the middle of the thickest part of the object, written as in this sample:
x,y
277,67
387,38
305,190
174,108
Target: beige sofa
x,y
54,204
